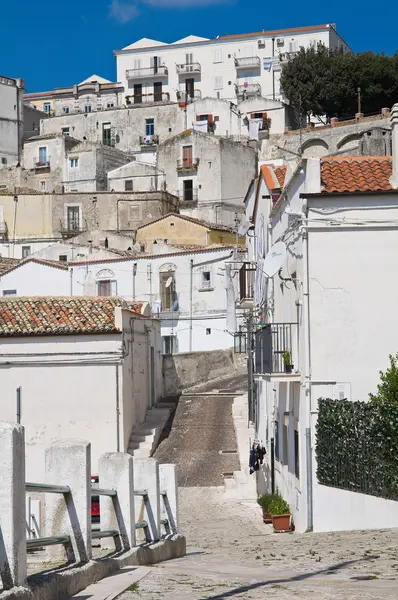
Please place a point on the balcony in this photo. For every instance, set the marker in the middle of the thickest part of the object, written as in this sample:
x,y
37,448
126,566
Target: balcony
x,y
149,140
247,90
247,277
41,162
71,228
249,62
240,342
187,164
185,68
147,98
284,57
148,72
271,345
189,97
188,196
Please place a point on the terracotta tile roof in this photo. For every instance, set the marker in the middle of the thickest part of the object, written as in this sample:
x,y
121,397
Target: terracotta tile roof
x,y
52,315
274,176
280,172
355,174
206,224
275,32
8,263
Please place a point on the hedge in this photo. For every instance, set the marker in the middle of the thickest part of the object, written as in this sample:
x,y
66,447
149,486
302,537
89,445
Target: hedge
x,y
357,447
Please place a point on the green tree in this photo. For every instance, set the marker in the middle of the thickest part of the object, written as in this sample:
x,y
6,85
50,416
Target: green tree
x,y
387,390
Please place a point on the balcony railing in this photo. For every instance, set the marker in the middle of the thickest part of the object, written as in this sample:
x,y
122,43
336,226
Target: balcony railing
x,y
189,97
284,57
148,98
188,68
71,228
271,345
41,162
160,71
247,90
247,276
249,62
187,164
188,196
240,342
149,140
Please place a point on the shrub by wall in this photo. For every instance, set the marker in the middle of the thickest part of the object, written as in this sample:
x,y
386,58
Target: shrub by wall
x,y
357,447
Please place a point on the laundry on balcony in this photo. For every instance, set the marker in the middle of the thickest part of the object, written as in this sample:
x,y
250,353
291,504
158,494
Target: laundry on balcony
x,y
201,126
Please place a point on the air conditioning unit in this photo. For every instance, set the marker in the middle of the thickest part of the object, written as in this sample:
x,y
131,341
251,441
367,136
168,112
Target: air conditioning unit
x,y
280,41
261,43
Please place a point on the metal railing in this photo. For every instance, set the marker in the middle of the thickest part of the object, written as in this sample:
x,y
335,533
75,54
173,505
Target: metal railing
x,y
189,97
194,67
187,164
71,228
188,195
249,90
159,71
272,342
149,140
247,276
240,342
41,163
247,62
147,98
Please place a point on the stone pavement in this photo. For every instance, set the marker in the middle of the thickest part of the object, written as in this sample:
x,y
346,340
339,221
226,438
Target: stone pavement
x,y
231,554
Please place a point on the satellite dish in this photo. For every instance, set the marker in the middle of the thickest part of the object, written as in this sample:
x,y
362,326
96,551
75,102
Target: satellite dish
x,y
275,259
244,227
169,282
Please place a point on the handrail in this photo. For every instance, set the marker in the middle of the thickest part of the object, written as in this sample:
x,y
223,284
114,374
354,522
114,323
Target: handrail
x,y
140,492
97,535
102,492
141,525
49,541
47,488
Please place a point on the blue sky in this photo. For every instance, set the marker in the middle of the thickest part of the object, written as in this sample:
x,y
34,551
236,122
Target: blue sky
x,y
61,43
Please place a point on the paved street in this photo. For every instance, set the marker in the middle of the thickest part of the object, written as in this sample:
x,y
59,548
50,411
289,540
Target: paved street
x,y
231,554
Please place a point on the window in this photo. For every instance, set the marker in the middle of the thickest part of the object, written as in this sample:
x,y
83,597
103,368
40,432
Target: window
x,y
66,110
218,82
73,218
149,126
106,134
3,160
206,280
65,130
155,63
296,454
63,258
190,88
168,293
276,441
189,59
43,155
47,107
137,64
9,292
87,108
217,55
157,91
43,186
137,93
285,455
128,185
110,105
25,251
187,156
74,163
106,287
169,344
208,331
188,190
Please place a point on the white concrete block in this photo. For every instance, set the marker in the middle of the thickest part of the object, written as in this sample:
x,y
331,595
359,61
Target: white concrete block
x,y
12,505
68,462
115,471
169,503
146,477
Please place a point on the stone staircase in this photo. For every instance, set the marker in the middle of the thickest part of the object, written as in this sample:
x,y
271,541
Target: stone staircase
x,y
240,484
146,436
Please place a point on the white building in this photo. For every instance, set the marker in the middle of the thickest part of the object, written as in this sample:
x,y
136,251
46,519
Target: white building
x,y
186,289
337,217
11,120
86,368
232,67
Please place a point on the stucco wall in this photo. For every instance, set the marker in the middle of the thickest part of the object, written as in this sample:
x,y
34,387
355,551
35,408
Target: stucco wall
x,y
11,120
36,280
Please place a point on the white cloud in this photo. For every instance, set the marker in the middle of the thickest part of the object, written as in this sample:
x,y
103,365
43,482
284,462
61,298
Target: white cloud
x,y
124,12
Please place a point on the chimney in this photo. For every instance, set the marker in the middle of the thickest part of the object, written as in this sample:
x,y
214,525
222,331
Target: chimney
x,y
394,144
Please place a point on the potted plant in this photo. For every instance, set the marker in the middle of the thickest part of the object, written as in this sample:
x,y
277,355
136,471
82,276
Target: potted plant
x,y
288,361
264,502
280,514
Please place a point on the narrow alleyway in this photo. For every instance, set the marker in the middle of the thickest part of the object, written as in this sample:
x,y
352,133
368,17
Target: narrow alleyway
x,y
231,553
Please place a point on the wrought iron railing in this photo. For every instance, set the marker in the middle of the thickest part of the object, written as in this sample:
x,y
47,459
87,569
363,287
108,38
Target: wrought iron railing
x,y
188,68
240,342
189,97
247,276
160,70
272,343
147,98
249,90
247,62
149,140
187,163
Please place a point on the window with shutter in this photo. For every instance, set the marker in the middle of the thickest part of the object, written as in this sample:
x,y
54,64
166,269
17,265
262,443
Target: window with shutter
x,y
218,82
217,55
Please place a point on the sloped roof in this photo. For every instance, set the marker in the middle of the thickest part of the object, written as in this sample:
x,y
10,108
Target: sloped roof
x,y
96,78
47,263
274,176
7,263
205,224
275,32
52,315
144,43
340,174
189,39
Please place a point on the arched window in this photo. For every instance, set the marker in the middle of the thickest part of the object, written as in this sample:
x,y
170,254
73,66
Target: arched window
x,y
168,289
106,283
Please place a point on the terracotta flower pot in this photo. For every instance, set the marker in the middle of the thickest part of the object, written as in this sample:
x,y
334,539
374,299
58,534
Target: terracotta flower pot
x,y
266,516
281,522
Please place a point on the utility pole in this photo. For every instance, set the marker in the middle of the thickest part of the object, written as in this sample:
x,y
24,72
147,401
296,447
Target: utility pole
x,y
359,100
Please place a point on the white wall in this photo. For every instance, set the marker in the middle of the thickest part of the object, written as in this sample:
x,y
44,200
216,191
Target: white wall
x,y
33,279
11,120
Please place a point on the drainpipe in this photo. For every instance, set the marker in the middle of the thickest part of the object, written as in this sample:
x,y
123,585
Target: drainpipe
x,y
190,303
273,72
71,280
134,274
117,410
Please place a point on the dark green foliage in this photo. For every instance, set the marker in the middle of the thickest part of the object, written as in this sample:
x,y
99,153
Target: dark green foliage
x,y
387,390
278,506
325,82
265,499
357,446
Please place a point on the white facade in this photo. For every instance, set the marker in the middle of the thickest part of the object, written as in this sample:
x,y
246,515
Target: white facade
x,y
11,120
229,67
36,278
81,386
340,256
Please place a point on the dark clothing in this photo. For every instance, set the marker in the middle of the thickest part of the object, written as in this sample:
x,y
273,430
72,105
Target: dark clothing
x,y
256,459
